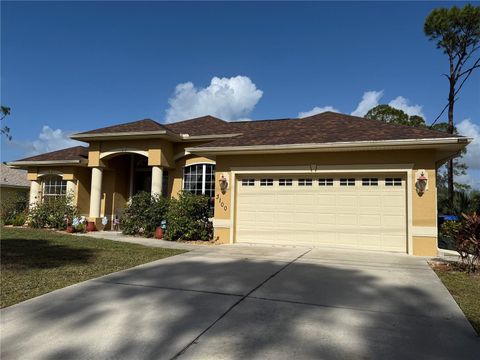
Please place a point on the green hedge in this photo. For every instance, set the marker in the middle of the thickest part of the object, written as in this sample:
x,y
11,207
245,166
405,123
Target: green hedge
x,y
187,218
52,212
12,206
143,214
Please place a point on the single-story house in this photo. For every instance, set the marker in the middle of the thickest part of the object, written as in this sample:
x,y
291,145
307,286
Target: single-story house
x,y
325,180
13,183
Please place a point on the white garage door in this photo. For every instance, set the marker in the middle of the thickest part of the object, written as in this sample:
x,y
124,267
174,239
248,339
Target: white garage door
x,y
365,211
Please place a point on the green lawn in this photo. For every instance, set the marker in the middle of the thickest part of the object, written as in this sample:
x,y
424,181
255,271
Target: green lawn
x,y
35,262
465,289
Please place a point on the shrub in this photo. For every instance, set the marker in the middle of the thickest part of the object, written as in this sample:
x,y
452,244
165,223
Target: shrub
x,y
467,239
11,206
447,234
52,213
19,220
187,218
143,214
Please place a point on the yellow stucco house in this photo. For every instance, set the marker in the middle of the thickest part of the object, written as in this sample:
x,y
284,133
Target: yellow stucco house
x,y
325,180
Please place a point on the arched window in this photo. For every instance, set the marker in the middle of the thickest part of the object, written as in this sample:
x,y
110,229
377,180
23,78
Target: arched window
x,y
199,179
54,186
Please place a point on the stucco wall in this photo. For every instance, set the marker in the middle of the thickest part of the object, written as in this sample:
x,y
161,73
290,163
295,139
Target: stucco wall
x,y
83,176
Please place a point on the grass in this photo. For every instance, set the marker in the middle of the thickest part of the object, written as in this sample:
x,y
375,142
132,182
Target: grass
x,y
35,262
465,289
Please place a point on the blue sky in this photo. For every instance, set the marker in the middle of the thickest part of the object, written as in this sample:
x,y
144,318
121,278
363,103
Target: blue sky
x,y
68,67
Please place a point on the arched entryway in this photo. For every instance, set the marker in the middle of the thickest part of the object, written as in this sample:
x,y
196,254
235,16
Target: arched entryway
x,y
122,175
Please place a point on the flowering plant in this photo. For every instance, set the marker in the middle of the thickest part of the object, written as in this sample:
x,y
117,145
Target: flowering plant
x,y
79,223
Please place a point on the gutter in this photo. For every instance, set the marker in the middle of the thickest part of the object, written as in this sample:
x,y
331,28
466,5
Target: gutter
x,y
151,134
208,137
46,162
25,187
333,145
124,134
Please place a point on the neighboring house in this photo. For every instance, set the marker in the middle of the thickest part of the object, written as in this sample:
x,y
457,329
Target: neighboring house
x,y
326,180
13,183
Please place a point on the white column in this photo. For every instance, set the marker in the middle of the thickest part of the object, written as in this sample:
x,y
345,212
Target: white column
x,y
34,192
96,193
72,189
157,177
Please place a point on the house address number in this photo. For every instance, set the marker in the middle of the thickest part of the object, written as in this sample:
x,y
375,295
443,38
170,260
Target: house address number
x,y
220,201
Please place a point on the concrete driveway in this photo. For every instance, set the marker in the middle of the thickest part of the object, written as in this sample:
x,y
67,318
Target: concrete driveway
x,y
244,302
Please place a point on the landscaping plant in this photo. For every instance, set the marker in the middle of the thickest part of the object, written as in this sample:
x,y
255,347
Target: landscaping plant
x,y
467,240
52,213
19,219
188,218
79,224
144,212
11,206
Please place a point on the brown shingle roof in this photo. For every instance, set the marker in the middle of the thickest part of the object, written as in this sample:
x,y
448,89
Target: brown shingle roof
x,y
326,127
13,177
73,153
134,126
204,125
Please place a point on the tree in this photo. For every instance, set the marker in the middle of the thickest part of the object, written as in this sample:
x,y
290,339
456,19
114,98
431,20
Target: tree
x,y
392,115
5,111
457,32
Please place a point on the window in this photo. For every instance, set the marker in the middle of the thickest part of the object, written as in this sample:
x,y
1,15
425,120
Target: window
x,y
305,182
369,182
248,182
325,182
54,186
393,181
266,182
199,179
285,182
347,182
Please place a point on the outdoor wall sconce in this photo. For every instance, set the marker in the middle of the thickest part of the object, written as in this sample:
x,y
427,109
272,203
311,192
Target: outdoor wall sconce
x,y
421,185
223,183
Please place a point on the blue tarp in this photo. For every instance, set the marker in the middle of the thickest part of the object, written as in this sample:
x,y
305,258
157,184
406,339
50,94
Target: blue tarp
x,y
449,217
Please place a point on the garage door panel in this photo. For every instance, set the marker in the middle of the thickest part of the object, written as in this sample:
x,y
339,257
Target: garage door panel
x,y
284,218
370,240
374,201
304,218
346,201
285,199
391,200
325,218
369,217
392,220
348,219
304,199
369,220
325,200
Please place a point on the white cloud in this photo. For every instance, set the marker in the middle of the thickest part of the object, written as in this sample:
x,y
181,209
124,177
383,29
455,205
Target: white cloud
x,y
227,98
316,110
48,140
402,104
370,99
469,129
472,178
